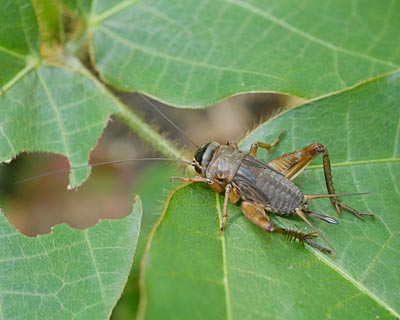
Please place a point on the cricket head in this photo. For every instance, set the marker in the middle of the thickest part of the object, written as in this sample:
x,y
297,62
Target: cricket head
x,y
203,156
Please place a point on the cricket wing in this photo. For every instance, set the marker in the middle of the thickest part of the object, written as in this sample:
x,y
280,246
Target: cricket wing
x,y
258,182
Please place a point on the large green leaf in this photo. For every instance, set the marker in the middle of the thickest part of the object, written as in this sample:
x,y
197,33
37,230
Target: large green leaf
x,y
68,274
192,272
56,109
193,53
153,185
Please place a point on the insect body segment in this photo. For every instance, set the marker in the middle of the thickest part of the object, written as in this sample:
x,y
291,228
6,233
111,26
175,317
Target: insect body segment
x,y
266,188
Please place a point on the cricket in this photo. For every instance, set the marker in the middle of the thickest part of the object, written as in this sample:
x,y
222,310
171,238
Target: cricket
x,y
260,188
263,188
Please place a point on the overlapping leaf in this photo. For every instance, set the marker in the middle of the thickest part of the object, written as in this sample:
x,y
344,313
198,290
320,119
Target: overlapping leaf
x,y
248,273
54,110
68,274
195,53
45,108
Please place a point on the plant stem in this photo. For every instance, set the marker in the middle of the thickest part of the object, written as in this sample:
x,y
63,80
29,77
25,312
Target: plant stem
x,y
132,120
148,133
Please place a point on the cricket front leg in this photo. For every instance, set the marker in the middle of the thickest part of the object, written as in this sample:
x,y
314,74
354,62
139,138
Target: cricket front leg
x,y
232,195
191,179
257,215
216,187
228,189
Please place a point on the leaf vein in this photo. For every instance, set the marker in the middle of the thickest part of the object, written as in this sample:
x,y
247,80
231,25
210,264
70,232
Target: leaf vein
x,y
12,53
114,10
304,34
56,113
357,284
163,55
375,260
7,139
96,269
18,76
393,179
396,140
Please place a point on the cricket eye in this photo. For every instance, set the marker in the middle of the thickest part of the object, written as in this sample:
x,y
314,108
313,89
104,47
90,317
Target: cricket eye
x,y
204,155
198,157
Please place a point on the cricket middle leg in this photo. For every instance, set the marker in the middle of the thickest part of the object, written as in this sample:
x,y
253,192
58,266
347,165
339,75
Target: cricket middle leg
x,y
267,146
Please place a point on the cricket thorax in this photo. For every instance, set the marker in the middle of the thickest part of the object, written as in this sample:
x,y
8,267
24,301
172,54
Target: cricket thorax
x,y
224,164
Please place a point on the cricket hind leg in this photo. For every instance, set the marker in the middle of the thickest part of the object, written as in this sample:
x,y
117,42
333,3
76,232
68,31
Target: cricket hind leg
x,y
257,215
292,164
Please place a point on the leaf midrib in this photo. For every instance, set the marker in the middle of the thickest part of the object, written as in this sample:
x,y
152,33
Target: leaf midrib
x,y
225,279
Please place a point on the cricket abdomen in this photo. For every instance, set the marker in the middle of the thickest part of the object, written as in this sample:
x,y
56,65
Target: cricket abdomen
x,y
281,194
262,184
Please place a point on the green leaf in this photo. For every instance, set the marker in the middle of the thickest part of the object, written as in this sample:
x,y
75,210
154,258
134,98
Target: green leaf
x,y
68,274
195,53
54,110
57,109
19,40
153,185
54,106
192,272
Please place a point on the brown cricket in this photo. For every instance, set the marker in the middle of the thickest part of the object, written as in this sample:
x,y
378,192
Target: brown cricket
x,y
261,187
265,188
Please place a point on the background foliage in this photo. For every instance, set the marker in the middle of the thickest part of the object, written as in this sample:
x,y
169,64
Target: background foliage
x,y
58,61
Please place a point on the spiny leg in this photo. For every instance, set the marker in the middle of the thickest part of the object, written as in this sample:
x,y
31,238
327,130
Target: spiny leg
x,y
302,215
292,164
268,146
257,215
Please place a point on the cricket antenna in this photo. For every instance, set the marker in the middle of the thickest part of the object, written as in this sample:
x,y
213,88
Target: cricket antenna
x,y
96,164
168,119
